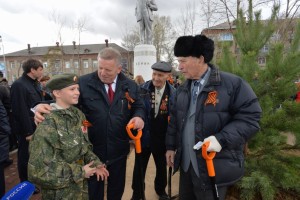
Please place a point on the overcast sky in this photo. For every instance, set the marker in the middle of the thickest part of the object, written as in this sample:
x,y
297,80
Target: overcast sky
x,y
25,22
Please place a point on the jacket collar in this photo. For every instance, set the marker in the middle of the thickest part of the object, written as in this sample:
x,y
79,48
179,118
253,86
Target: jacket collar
x,y
98,85
29,78
147,86
213,80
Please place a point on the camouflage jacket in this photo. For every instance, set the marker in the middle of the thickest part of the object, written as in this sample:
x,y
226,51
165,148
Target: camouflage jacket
x,y
58,150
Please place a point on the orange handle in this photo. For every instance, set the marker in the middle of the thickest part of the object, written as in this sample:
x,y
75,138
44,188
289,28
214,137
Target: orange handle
x,y
209,159
137,138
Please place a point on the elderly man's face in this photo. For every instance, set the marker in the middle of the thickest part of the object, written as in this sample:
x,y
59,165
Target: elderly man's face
x,y
191,67
159,78
108,70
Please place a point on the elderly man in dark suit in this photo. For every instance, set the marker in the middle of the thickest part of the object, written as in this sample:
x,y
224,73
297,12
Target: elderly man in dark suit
x,y
144,15
158,96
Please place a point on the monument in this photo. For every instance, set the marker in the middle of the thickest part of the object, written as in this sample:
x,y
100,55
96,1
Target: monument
x,y
145,52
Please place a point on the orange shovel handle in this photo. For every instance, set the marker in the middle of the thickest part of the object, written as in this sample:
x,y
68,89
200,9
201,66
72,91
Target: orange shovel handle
x,y
137,138
209,159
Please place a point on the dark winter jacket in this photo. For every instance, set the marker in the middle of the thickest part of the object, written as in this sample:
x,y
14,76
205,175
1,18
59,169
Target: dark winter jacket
x,y
5,97
108,131
233,120
4,132
24,95
146,95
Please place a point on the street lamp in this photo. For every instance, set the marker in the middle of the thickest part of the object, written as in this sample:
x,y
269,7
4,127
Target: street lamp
x,y
3,56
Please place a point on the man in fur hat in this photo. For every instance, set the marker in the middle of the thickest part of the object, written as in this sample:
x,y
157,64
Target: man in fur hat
x,y
211,106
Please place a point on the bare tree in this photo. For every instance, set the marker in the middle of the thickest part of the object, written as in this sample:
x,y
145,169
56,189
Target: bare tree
x,y
130,36
212,11
79,26
186,23
164,37
60,23
286,19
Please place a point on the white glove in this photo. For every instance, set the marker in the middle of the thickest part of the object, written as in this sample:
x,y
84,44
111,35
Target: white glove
x,y
214,145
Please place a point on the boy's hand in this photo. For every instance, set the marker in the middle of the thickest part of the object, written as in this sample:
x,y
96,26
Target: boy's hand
x,y
89,171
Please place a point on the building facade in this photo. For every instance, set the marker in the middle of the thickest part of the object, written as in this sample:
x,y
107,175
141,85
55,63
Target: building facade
x,y
78,59
224,32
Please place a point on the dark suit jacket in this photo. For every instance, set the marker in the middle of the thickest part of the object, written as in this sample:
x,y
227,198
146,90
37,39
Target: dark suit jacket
x,y
24,95
108,131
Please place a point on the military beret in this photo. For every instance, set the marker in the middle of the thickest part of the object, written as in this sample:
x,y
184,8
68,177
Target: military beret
x,y
194,46
60,81
162,66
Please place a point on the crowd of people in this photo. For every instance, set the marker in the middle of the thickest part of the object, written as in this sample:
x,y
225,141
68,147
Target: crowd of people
x,y
71,131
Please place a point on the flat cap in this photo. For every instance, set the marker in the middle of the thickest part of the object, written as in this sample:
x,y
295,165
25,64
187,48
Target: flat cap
x,y
162,66
60,81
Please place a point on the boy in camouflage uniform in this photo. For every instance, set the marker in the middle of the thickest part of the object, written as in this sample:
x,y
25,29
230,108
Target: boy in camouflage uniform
x,y
61,156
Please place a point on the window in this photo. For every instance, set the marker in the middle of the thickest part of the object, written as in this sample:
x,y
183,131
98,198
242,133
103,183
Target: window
x,y
95,64
226,37
57,64
275,37
265,48
45,64
12,65
13,78
291,36
75,64
85,64
262,60
124,63
67,64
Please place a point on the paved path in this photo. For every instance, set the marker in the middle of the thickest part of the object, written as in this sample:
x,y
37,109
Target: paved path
x,y
11,178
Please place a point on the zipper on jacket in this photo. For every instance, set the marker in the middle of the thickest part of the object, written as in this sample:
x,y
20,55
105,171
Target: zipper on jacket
x,y
66,122
122,106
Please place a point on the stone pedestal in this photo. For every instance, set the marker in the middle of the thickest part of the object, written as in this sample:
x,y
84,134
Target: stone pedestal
x,y
144,58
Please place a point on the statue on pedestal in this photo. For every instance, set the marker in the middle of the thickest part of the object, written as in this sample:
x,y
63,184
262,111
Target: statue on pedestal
x,y
144,16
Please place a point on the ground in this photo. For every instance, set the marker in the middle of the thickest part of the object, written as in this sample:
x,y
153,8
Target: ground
x,y
11,178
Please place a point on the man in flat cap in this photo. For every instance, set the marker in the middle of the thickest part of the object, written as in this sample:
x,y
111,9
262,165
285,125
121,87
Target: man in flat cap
x,y
61,156
158,97
214,107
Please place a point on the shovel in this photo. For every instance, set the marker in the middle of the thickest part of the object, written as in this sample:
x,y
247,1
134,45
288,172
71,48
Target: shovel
x,y
210,167
138,150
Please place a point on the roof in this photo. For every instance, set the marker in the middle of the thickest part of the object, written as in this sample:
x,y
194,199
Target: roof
x,y
226,26
222,26
67,49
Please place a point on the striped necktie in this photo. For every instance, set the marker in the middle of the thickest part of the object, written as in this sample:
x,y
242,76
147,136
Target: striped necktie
x,y
195,90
